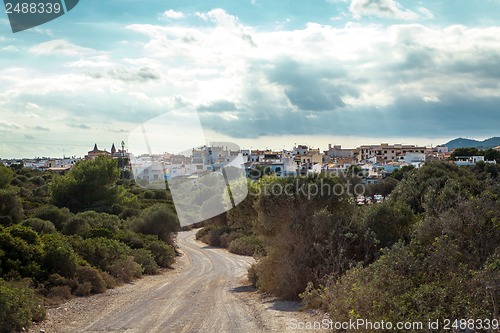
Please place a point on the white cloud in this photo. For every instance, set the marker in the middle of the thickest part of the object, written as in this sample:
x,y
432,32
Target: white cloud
x,y
10,48
276,80
59,46
381,8
426,12
174,15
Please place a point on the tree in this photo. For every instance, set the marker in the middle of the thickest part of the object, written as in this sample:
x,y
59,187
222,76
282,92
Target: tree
x,y
160,221
390,222
492,155
466,152
6,176
399,174
89,184
11,210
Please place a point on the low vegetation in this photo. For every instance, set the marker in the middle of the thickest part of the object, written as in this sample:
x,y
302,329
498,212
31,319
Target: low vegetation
x,y
430,251
76,234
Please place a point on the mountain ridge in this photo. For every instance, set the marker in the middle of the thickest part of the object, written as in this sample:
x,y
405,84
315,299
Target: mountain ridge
x,y
471,143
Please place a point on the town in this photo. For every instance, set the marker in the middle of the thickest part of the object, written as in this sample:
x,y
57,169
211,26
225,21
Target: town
x,y
374,161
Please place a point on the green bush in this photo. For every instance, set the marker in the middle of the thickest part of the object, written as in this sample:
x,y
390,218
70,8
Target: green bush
x,y
146,259
21,252
163,253
39,225
58,216
18,307
103,252
59,256
158,220
111,256
11,210
6,176
247,245
390,222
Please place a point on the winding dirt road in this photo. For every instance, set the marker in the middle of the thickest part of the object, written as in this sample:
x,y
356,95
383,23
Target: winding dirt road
x,y
205,293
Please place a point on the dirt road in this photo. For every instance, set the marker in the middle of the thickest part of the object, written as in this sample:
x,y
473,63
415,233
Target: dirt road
x,y
205,293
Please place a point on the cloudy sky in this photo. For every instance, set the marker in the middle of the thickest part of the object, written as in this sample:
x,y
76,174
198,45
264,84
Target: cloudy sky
x,y
260,73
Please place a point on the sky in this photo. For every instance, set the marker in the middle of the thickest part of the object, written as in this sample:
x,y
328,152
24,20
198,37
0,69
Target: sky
x,y
260,73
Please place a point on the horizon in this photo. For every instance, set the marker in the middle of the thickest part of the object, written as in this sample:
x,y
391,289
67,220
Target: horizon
x,y
345,72
102,146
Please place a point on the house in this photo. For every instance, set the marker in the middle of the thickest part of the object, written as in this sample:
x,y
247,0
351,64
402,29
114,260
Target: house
x,y
94,153
468,160
337,151
385,152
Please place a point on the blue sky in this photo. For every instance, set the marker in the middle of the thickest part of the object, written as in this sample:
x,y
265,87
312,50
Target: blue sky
x,y
260,73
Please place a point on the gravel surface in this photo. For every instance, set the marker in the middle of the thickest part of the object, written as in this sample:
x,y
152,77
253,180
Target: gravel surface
x,y
207,291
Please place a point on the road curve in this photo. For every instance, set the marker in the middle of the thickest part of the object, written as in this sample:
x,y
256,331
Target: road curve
x,y
204,294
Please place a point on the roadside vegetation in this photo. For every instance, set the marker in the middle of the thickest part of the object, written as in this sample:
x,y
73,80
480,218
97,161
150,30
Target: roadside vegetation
x,y
75,235
430,251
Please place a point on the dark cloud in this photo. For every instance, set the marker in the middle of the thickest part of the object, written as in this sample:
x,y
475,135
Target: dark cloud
x,y
41,128
311,87
408,117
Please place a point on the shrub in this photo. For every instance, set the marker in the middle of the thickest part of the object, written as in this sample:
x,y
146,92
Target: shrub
x,y
58,216
89,276
163,254
20,251
129,212
37,181
18,307
11,210
111,255
247,245
252,275
59,294
212,234
59,256
227,238
146,259
160,221
103,252
39,225
125,270
390,222
83,289
75,226
6,176
97,232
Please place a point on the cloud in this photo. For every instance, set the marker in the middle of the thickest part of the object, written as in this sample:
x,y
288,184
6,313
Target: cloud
x,y
358,80
142,74
382,9
217,106
9,126
174,15
80,126
10,48
426,12
59,46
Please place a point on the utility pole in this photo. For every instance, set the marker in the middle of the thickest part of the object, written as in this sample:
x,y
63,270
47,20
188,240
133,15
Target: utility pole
x,y
123,160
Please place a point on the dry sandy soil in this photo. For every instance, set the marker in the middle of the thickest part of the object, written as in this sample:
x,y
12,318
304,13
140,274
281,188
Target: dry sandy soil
x,y
206,292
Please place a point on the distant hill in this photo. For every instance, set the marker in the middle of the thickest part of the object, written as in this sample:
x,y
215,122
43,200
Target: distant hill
x,y
469,143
